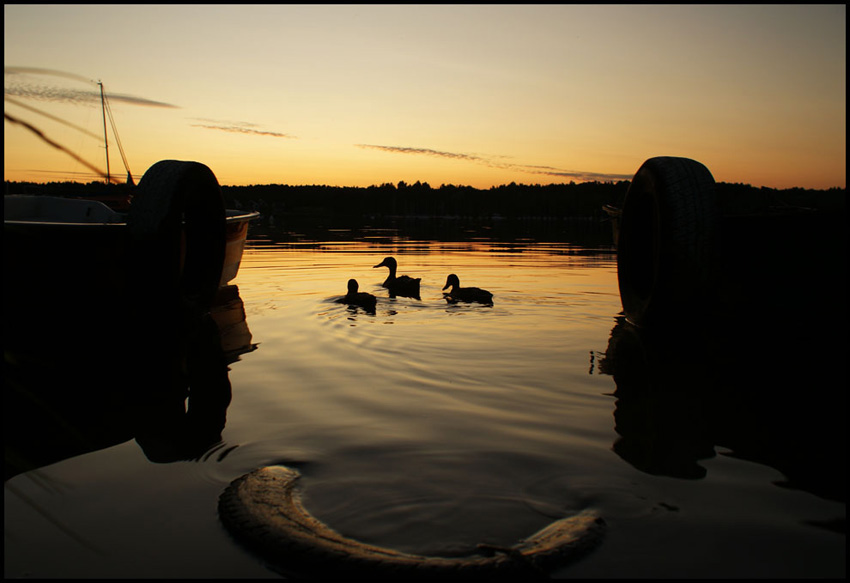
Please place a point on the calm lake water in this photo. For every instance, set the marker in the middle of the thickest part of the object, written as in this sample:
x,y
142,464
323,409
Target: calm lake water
x,y
427,427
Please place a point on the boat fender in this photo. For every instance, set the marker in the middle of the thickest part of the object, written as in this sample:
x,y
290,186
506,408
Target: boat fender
x,y
668,245
177,226
263,511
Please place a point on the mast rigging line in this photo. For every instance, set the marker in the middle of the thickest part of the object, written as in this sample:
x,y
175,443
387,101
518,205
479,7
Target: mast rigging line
x,y
105,139
117,138
107,112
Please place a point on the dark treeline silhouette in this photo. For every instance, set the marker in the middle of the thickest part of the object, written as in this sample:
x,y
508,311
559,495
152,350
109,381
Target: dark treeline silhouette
x,y
420,200
554,212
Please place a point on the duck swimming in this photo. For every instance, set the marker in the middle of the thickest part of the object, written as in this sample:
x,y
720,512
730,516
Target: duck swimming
x,y
465,294
358,298
402,285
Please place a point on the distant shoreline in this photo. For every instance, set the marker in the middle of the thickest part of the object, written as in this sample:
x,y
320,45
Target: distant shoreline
x,y
420,200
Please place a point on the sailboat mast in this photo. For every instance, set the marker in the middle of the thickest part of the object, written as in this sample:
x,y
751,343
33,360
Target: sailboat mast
x,y
105,140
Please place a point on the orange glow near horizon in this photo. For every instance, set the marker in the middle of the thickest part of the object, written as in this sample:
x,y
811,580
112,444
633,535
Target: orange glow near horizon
x,y
442,94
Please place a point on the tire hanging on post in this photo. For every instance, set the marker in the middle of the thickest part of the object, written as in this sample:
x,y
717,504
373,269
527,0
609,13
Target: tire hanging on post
x,y
177,226
668,248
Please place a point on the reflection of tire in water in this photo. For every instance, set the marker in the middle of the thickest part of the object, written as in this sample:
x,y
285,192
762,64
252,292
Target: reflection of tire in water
x,y
680,397
179,203
667,248
185,390
263,510
661,413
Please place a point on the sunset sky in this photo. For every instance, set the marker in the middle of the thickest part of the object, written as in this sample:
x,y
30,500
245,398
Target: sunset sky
x,y
473,95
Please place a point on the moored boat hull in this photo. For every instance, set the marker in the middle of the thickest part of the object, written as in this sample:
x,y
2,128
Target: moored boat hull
x,y
177,236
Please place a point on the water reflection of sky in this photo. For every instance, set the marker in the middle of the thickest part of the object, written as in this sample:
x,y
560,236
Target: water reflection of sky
x,y
427,425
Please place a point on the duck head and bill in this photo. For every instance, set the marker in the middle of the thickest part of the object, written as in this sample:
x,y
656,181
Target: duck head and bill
x,y
399,285
465,294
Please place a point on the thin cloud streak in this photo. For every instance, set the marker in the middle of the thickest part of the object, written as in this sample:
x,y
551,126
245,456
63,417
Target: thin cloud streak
x,y
239,128
133,100
583,176
54,72
75,96
424,151
25,88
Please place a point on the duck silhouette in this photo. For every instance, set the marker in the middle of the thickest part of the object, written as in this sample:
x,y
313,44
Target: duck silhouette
x,y
402,285
465,294
358,298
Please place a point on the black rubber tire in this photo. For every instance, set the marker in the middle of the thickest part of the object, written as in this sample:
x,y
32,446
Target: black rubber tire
x,y
179,200
668,247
